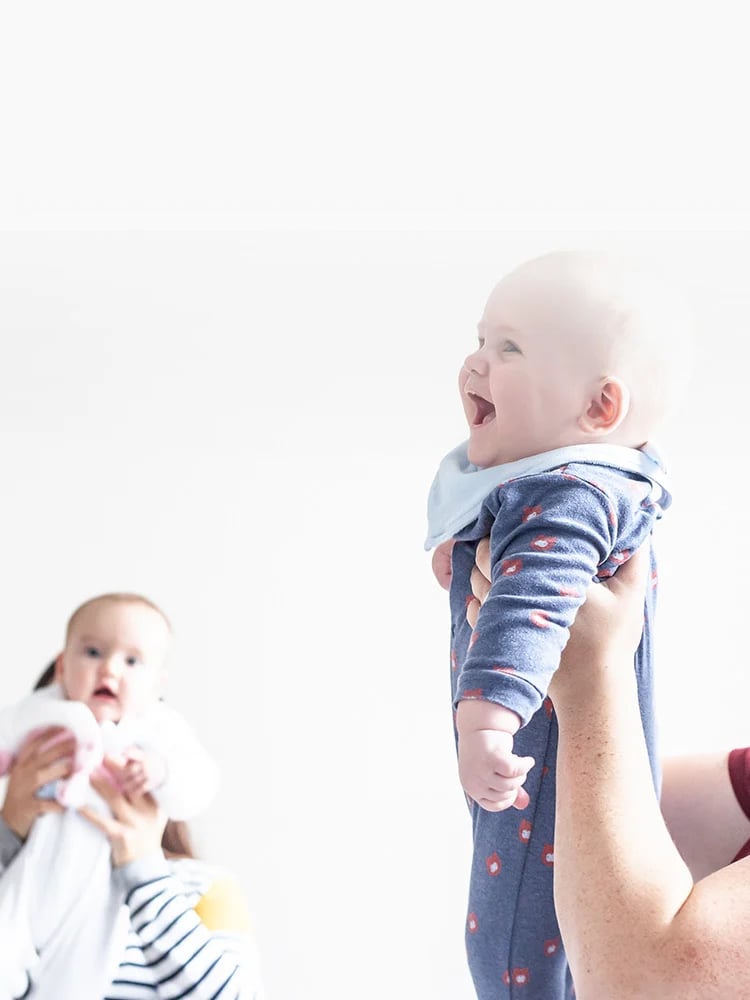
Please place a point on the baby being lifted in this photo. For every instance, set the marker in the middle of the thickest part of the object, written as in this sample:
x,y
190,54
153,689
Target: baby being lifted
x,y
579,360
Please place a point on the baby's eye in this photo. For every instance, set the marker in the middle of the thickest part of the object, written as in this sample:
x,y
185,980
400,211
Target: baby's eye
x,y
480,341
509,347
132,661
92,651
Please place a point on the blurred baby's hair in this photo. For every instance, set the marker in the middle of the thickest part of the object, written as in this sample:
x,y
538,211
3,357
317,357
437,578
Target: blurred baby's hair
x,y
115,598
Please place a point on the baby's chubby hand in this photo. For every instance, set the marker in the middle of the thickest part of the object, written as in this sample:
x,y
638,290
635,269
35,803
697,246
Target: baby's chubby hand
x,y
142,771
490,773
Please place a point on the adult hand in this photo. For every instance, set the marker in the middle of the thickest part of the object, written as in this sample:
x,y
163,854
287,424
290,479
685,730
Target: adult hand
x,y
136,824
442,563
480,581
606,631
47,757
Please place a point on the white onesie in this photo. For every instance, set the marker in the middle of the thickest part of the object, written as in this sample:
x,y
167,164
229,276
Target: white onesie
x,y
57,899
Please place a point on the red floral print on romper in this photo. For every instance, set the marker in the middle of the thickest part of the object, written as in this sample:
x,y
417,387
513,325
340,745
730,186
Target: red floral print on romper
x,y
509,567
494,864
548,855
539,618
524,831
543,543
552,946
529,512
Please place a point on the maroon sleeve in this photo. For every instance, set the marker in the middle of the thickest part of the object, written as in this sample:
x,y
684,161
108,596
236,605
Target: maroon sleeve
x,y
739,774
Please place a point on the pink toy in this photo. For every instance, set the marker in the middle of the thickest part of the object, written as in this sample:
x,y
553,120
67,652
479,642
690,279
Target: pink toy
x,y
42,709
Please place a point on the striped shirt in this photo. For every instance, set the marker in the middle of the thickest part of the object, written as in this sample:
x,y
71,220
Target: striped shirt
x,y
171,952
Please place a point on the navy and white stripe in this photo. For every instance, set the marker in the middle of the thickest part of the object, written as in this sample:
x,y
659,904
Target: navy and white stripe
x,y
170,954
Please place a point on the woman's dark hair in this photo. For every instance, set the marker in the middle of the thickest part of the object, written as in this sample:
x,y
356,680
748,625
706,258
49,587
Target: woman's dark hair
x,y
46,677
176,838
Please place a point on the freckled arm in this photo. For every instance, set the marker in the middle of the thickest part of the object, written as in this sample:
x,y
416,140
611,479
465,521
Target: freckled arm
x,y
633,924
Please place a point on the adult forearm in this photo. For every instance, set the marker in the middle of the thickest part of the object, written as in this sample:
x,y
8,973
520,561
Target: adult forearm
x,y
619,880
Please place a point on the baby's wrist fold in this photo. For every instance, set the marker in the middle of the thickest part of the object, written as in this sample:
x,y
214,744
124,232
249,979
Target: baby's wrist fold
x,y
474,714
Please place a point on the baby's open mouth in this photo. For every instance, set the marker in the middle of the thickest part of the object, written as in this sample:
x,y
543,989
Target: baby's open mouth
x,y
484,411
105,692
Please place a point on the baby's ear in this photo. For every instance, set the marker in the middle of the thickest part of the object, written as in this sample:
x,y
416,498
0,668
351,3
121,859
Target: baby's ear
x,y
607,408
58,669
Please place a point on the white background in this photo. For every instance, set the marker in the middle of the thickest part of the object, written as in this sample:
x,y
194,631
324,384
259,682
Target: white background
x,y
242,254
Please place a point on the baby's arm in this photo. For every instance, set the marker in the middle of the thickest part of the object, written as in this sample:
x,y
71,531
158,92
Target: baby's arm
x,y
544,551
550,536
172,763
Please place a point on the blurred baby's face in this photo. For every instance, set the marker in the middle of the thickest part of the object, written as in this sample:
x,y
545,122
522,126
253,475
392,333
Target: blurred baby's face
x,y
114,658
523,388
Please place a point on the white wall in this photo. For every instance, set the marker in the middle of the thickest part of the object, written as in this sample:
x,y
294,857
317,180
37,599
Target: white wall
x,y
243,248
243,426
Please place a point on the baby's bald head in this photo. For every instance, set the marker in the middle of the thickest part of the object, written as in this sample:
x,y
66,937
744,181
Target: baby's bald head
x,y
616,319
573,348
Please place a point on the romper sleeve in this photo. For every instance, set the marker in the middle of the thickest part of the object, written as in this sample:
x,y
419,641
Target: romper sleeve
x,y
551,534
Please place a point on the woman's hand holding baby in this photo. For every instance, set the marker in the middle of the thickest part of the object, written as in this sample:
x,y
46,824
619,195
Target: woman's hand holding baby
x,y
45,758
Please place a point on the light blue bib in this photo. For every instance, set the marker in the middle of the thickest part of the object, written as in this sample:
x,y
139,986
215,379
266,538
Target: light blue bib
x,y
459,488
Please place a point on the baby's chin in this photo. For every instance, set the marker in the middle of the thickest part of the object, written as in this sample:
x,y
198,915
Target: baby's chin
x,y
105,712
483,457
486,454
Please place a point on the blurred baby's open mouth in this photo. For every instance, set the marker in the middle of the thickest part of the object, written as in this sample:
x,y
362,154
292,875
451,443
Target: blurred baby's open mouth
x,y
105,692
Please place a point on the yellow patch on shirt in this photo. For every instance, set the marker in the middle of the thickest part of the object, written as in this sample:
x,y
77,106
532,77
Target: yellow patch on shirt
x,y
223,908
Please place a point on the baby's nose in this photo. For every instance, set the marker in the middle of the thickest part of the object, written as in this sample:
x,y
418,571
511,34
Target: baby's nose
x,y
111,665
476,363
